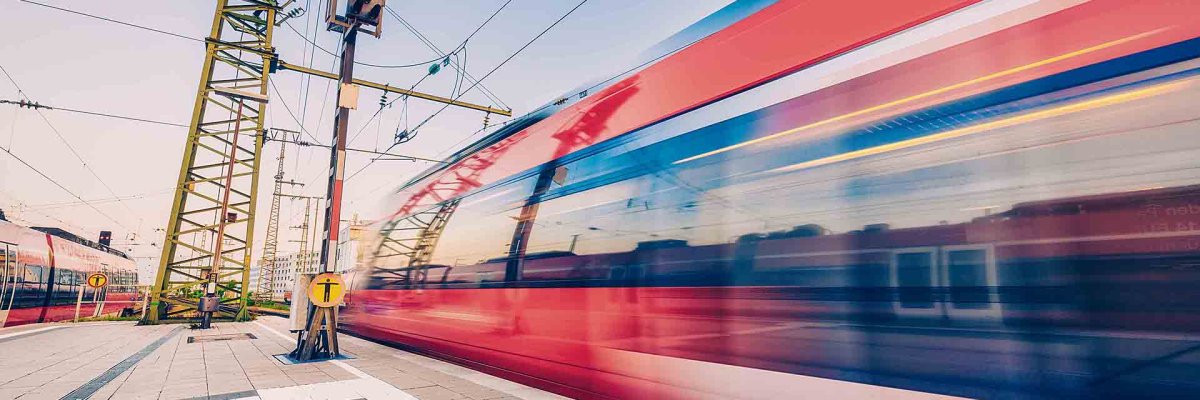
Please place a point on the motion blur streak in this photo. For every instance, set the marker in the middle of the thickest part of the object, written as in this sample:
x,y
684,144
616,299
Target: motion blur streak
x,y
973,129
992,200
925,95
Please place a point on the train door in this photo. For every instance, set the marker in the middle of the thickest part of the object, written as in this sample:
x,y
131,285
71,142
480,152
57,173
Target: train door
x,y
916,277
952,282
10,279
969,279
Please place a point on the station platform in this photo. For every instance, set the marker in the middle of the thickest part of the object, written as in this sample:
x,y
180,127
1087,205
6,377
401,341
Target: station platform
x,y
118,360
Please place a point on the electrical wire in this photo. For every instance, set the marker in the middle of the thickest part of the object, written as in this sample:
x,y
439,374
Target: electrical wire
x,y
65,204
64,188
290,113
485,76
460,68
398,157
356,62
502,63
115,21
95,113
307,80
588,89
21,208
485,22
21,92
428,43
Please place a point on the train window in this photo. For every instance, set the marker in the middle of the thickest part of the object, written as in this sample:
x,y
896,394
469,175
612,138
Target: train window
x,y
967,278
915,278
33,274
67,277
619,217
478,233
629,230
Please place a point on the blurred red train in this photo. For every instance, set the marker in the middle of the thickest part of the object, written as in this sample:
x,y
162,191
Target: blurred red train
x,y
821,199
42,271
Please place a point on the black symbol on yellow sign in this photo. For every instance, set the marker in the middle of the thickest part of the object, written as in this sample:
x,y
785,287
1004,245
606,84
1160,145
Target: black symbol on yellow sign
x,y
326,290
328,285
97,280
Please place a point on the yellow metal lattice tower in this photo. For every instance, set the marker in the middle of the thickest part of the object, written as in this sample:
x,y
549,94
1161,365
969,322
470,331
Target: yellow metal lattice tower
x,y
218,182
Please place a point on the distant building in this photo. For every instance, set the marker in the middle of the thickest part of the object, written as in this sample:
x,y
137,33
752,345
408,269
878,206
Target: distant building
x,y
255,273
350,247
287,268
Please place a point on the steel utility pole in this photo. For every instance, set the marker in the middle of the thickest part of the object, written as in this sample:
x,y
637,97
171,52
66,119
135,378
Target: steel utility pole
x,y
267,264
322,339
347,96
266,272
211,227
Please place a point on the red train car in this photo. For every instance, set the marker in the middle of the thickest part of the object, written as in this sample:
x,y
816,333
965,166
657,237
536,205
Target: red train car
x,y
42,271
816,200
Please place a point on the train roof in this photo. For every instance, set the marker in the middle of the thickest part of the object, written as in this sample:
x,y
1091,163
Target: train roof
x,y
59,232
1096,202
706,26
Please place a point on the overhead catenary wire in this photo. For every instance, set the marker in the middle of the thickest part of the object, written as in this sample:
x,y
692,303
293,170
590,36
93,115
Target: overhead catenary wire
x,y
21,208
305,80
353,150
115,21
441,56
428,43
462,71
588,89
63,204
95,113
506,60
63,139
290,113
64,188
356,62
317,144
160,31
485,76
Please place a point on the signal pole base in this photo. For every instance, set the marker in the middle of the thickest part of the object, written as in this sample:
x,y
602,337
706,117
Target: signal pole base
x,y
319,341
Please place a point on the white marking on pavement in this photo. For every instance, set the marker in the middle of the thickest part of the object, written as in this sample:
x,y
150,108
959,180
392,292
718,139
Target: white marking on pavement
x,y
277,333
366,386
15,334
363,388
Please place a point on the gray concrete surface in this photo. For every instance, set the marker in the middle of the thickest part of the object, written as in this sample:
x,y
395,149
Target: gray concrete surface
x,y
118,360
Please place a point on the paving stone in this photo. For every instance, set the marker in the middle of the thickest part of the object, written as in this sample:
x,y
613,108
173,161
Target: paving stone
x,y
181,370
434,393
405,381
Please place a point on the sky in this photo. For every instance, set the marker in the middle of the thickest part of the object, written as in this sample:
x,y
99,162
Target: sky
x,y
126,169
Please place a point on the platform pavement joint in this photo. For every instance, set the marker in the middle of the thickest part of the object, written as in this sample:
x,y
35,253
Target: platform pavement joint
x,y
118,360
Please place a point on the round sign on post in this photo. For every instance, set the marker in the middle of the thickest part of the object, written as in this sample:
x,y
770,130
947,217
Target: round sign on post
x,y
97,280
326,290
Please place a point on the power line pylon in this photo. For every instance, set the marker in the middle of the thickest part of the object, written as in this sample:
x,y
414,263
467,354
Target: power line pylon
x,y
306,229
302,257
266,269
218,181
219,174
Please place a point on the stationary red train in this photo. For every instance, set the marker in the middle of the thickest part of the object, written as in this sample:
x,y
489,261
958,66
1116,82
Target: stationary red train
x,y
43,269
822,199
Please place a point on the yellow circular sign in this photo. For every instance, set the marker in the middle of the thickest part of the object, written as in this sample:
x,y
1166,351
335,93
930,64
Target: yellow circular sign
x,y
326,290
97,280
